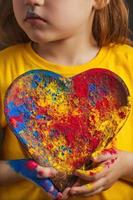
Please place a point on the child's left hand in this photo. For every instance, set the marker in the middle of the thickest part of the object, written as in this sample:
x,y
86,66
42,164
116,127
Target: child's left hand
x,y
111,167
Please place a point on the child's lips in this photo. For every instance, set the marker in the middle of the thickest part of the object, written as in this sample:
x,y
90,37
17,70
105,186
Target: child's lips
x,y
34,18
36,21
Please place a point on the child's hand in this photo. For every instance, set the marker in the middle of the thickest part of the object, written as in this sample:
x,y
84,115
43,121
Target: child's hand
x,y
111,167
38,174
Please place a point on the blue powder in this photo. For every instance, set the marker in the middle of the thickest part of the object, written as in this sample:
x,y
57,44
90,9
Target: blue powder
x,y
36,134
92,87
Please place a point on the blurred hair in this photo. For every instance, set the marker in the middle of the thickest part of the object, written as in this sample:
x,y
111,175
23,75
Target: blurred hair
x,y
110,25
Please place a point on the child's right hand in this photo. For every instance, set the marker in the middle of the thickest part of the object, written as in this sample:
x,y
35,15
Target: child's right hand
x,y
38,174
110,168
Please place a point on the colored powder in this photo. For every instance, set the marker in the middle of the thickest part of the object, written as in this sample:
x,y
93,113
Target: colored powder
x,y
64,121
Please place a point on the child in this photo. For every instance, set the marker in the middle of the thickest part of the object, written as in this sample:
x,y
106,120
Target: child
x,y
67,37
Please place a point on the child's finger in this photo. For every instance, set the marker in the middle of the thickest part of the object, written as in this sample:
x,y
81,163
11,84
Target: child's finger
x,y
93,193
42,172
65,194
105,155
92,175
77,183
87,189
102,158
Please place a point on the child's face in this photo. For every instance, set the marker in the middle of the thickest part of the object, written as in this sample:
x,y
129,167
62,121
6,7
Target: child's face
x,y
64,18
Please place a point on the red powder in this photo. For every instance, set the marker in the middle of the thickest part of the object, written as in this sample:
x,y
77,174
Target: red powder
x,y
14,120
122,115
50,146
41,173
107,164
31,165
80,85
111,151
112,160
92,173
94,142
59,196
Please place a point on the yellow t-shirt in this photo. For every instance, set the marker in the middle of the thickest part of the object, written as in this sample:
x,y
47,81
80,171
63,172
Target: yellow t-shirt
x,y
20,58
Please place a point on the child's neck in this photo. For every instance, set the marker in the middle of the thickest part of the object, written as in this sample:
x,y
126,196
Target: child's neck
x,y
71,51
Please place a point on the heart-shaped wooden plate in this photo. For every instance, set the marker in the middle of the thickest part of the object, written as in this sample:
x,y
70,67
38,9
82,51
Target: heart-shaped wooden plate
x,y
62,121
